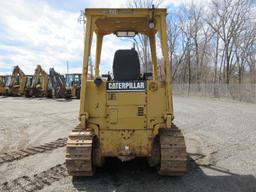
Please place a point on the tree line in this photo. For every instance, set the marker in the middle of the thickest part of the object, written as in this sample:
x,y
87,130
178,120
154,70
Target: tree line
x,y
208,43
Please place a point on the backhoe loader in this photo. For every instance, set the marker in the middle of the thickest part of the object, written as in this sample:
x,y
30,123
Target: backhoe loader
x,y
7,85
73,84
130,114
58,83
29,81
39,86
16,86
2,84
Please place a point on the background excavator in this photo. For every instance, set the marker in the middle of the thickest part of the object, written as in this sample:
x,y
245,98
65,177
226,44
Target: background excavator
x,y
58,84
73,84
39,86
16,85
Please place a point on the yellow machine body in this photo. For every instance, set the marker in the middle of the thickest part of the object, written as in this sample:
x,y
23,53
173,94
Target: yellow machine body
x,y
5,83
39,87
73,81
17,84
126,123
126,118
2,84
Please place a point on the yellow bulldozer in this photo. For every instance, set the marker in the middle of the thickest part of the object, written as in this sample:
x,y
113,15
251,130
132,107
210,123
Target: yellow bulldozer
x,y
130,114
39,85
17,83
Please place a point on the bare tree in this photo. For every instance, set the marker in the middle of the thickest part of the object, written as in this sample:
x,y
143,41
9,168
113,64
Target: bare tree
x,y
213,43
232,16
142,41
174,34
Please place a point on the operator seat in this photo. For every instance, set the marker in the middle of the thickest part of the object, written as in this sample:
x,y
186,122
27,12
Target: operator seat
x,y
126,65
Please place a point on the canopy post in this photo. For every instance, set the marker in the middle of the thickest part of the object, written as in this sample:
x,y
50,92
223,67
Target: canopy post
x,y
153,54
98,53
163,37
87,49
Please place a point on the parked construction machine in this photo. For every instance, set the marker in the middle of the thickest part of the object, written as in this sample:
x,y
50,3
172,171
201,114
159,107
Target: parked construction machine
x,y
2,84
7,85
39,85
73,84
15,86
129,115
29,82
58,84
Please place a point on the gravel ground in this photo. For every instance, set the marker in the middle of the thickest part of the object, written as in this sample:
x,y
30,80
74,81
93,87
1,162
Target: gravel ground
x,y
220,136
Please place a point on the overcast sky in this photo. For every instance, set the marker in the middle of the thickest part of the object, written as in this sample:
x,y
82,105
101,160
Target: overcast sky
x,y
47,32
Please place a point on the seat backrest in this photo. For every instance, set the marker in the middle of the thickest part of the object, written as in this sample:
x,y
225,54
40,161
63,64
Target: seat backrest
x,y
126,65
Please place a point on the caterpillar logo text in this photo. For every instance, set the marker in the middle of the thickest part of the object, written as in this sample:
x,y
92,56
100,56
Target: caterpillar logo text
x,y
126,86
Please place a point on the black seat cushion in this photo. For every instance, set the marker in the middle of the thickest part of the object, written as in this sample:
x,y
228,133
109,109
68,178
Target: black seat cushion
x,y
126,65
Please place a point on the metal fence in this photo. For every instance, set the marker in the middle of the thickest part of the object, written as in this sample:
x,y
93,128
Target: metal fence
x,y
241,92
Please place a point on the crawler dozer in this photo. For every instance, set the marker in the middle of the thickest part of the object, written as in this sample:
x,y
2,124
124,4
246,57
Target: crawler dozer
x,y
129,115
39,86
17,84
73,82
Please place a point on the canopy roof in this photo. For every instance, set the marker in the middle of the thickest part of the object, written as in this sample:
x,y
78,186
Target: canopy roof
x,y
109,21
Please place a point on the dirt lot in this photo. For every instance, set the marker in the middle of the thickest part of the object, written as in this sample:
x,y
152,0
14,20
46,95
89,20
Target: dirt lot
x,y
220,137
